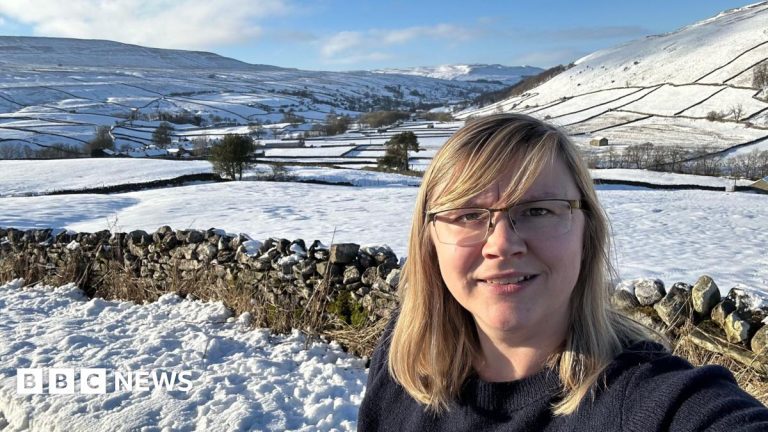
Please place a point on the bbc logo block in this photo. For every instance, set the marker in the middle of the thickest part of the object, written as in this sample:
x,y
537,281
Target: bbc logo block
x,y
65,381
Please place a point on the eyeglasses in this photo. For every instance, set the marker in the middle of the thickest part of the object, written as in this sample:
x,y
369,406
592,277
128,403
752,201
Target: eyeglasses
x,y
532,220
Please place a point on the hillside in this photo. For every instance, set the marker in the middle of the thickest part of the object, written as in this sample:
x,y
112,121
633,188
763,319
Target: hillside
x,y
64,52
55,92
507,75
694,86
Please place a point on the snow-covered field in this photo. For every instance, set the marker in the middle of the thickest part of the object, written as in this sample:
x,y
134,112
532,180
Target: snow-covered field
x,y
240,379
676,235
32,177
248,379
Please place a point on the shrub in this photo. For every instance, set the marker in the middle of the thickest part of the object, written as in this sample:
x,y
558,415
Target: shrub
x,y
715,116
336,124
161,137
383,118
396,156
438,116
231,156
102,140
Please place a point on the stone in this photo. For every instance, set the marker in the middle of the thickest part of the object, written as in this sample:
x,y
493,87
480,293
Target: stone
x,y
321,254
206,252
675,308
224,243
298,247
64,237
736,328
308,268
722,310
161,233
14,235
369,276
748,304
168,242
351,275
759,342
317,247
117,239
393,278
704,296
284,247
42,235
139,238
322,267
383,269
225,256
624,300
649,291
343,253
190,236
365,260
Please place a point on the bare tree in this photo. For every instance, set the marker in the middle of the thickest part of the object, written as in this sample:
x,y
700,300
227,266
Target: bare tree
x,y
737,111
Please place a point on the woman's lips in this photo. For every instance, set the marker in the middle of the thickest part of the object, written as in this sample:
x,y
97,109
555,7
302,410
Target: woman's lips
x,y
507,285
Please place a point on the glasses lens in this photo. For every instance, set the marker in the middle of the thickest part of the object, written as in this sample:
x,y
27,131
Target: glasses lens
x,y
462,226
541,219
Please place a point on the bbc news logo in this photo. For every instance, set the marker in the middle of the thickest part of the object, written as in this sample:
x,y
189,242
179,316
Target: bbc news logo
x,y
95,380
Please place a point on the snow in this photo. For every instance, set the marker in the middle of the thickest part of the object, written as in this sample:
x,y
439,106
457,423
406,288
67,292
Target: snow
x,y
676,79
509,75
249,379
241,378
83,84
25,177
664,178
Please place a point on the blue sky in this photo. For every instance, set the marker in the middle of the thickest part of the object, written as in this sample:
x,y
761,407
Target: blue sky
x,y
352,35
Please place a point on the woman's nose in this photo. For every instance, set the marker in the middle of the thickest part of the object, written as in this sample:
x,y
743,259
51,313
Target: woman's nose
x,y
503,239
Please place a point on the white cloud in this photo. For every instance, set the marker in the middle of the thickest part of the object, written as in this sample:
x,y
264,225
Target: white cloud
x,y
347,43
187,24
341,42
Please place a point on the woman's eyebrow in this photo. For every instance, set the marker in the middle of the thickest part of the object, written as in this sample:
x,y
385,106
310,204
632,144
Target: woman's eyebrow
x,y
541,196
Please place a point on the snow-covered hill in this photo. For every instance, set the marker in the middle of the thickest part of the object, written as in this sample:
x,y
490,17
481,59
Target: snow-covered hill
x,y
508,75
64,52
662,89
57,91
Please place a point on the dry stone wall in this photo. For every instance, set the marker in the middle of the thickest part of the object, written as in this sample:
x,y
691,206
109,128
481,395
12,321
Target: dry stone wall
x,y
360,281
735,322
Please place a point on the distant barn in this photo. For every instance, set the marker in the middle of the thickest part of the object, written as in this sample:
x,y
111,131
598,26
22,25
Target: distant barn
x,y
599,142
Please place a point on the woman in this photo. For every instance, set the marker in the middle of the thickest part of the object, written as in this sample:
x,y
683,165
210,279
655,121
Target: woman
x,y
504,321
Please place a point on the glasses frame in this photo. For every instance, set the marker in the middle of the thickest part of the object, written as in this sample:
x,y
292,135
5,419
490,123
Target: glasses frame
x,y
573,203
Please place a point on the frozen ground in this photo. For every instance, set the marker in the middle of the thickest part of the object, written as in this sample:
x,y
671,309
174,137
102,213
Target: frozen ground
x,y
25,177
240,379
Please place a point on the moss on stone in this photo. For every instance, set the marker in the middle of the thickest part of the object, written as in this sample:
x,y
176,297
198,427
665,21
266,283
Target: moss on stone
x,y
348,309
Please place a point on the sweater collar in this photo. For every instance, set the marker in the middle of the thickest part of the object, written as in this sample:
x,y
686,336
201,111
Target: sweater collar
x,y
510,395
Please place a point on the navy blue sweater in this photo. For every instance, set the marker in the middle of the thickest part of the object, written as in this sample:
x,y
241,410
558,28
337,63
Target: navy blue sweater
x,y
645,389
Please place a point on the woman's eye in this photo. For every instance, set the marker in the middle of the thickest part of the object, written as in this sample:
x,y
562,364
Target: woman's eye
x,y
470,217
537,211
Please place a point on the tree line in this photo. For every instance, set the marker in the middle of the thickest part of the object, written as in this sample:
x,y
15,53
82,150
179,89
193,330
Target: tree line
x,y
698,161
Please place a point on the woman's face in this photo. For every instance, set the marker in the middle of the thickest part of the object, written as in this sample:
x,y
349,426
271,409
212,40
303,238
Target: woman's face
x,y
484,278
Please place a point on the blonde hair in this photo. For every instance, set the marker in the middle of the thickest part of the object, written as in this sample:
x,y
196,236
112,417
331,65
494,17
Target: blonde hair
x,y
431,322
